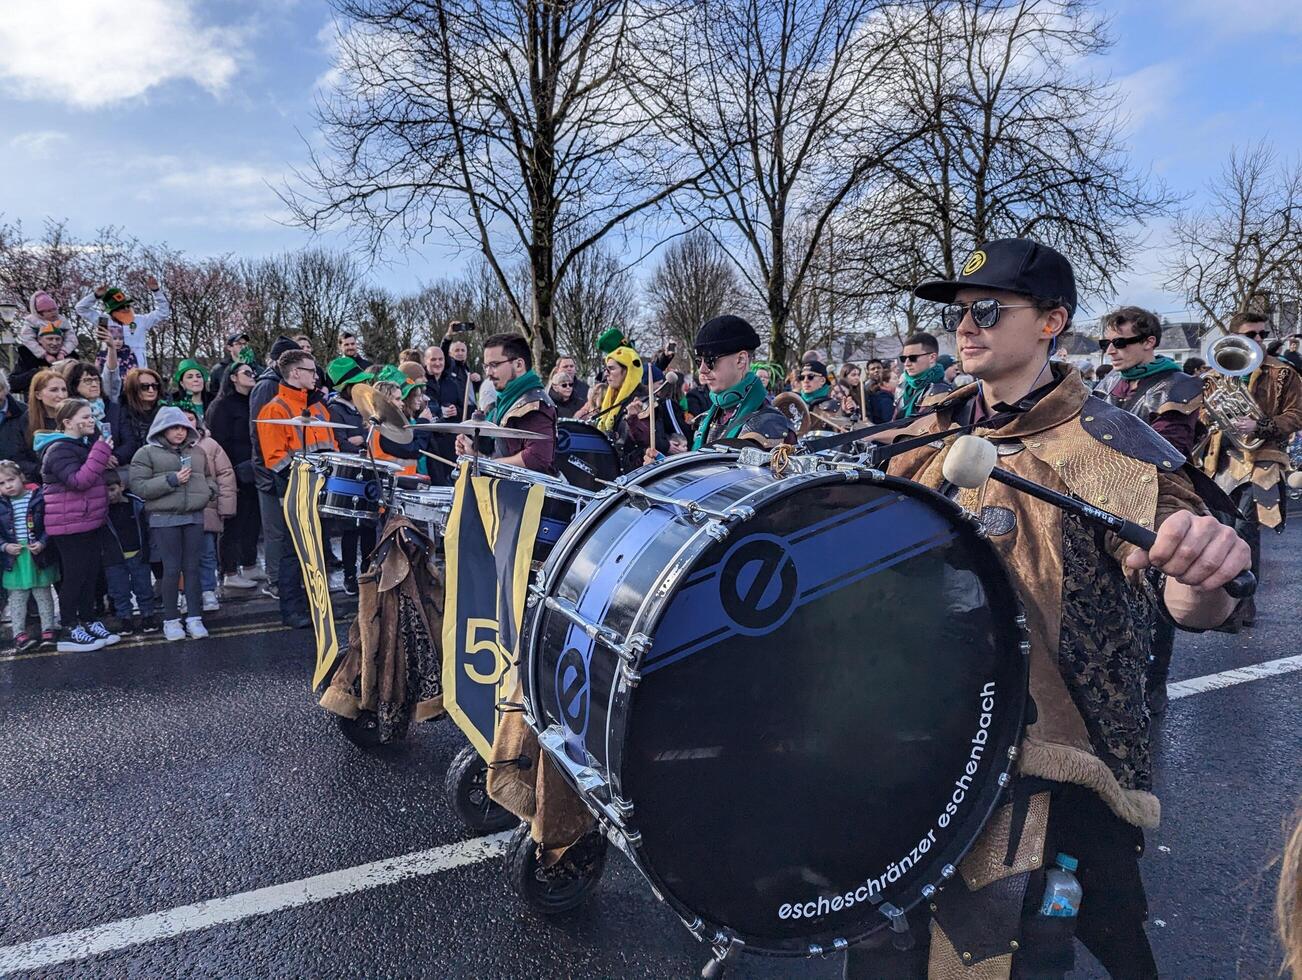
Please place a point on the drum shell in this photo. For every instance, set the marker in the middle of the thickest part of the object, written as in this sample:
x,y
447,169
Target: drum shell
x,y
428,506
355,486
584,454
642,562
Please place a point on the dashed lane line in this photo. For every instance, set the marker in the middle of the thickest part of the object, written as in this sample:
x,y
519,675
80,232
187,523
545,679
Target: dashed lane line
x,y
112,936
81,943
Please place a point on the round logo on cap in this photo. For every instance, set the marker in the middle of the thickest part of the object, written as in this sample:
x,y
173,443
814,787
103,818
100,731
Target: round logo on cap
x,y
977,260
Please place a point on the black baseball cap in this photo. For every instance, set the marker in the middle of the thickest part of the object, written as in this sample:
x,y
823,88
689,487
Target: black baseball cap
x,y
237,336
1014,265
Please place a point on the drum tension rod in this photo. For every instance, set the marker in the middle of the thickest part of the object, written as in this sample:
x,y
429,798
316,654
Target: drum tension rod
x,y
694,510
726,948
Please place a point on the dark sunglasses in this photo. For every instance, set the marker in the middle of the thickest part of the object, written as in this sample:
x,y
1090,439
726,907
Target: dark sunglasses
x,y
910,358
1258,334
985,313
812,377
708,361
564,384
1118,342
148,386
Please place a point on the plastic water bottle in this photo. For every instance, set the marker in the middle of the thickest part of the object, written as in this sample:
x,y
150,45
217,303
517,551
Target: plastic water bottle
x,y
1062,892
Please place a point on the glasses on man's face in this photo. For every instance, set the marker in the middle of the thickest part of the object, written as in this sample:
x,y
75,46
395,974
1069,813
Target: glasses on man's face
x,y
708,361
494,365
148,386
1118,342
810,377
985,313
910,358
1255,334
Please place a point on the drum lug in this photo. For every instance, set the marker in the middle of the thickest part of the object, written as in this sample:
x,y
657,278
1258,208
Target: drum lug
x,y
623,807
587,779
726,947
899,923
717,530
741,513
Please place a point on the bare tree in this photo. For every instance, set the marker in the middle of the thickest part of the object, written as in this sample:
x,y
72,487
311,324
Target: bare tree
x,y
597,292
324,296
1243,250
694,281
791,99
200,294
1015,140
381,335
503,123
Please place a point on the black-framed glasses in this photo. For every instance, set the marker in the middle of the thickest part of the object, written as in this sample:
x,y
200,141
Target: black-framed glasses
x,y
985,313
148,386
564,384
708,361
1118,342
492,365
910,358
812,377
1255,334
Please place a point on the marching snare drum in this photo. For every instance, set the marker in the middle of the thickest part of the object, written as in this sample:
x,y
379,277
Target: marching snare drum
x,y
585,454
354,485
793,702
426,506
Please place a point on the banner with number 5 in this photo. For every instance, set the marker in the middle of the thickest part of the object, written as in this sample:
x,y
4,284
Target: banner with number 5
x,y
489,547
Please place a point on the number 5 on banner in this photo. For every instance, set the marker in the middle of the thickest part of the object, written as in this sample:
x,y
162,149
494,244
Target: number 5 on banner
x,y
476,643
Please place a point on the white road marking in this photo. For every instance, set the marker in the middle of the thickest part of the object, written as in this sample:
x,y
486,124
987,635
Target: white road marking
x,y
1228,678
112,936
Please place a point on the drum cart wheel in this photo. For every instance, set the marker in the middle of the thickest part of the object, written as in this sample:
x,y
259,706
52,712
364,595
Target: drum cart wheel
x,y
564,886
466,784
363,731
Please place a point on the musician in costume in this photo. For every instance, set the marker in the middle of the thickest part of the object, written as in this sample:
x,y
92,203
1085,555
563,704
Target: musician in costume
x,y
522,403
1147,385
1156,390
1254,478
923,375
1085,784
825,407
739,406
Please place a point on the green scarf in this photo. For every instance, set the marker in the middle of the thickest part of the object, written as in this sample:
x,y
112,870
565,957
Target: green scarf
x,y
746,396
1158,365
810,397
509,395
916,385
246,355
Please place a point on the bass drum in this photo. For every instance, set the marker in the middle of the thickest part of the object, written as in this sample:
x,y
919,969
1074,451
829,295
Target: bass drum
x,y
585,454
792,701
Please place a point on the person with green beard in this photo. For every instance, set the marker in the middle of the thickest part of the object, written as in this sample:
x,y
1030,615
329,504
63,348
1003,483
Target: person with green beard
x,y
923,376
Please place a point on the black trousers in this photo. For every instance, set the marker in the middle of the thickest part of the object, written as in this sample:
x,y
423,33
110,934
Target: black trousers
x,y
1113,904
81,558
356,540
239,540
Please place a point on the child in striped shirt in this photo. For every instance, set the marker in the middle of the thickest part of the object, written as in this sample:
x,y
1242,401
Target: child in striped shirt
x,y
29,568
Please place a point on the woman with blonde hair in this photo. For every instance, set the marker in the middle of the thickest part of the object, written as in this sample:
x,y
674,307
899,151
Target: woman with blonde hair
x,y
596,395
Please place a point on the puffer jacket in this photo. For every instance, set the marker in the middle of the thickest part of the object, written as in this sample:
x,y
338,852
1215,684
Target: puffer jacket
x,y
155,465
222,474
35,530
76,473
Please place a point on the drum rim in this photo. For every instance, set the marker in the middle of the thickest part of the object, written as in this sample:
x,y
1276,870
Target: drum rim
x,y
359,459
651,610
553,484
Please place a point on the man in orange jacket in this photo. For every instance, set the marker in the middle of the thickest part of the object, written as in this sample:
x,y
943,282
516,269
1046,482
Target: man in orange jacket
x,y
296,397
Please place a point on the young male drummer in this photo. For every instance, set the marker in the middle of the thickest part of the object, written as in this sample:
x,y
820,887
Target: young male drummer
x,y
1086,775
522,403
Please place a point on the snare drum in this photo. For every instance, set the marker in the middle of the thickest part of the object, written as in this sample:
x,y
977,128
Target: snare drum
x,y
426,506
562,501
354,485
585,454
717,659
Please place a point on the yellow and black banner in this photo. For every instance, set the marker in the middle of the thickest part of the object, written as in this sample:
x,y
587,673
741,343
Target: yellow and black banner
x,y
489,547
304,522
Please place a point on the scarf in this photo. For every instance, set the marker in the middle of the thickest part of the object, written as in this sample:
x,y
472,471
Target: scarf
x,y
509,395
809,397
915,387
626,356
1158,365
747,396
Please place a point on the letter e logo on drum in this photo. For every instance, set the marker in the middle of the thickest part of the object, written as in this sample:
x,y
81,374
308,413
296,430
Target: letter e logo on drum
x,y
573,687
758,584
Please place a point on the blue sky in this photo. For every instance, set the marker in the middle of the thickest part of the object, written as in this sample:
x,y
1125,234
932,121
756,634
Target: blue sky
x,y
170,117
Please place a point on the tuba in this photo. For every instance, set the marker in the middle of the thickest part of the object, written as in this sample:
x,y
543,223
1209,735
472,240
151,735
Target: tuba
x,y
1232,358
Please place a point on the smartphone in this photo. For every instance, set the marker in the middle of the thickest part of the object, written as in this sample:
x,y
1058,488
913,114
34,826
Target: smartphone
x,y
460,326
185,461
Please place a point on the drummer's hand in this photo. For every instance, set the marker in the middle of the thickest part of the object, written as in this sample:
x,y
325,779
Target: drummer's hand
x,y
449,411
847,404
464,447
474,376
635,408
356,441
1199,552
651,455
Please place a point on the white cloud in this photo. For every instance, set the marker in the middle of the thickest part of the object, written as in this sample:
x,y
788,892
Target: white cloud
x,y
1150,91
92,53
189,191
1246,17
39,144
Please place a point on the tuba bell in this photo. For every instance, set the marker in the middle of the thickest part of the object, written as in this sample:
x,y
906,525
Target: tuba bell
x,y
1232,358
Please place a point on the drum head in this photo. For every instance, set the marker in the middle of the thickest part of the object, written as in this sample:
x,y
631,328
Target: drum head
x,y
584,454
825,713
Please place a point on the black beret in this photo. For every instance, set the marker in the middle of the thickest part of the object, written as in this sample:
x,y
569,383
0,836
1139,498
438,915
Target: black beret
x,y
726,335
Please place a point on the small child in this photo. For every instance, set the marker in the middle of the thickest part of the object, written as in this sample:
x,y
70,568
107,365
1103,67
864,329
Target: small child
x,y
29,566
131,576
43,310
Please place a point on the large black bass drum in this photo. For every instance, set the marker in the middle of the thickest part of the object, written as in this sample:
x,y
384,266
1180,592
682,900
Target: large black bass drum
x,y
792,701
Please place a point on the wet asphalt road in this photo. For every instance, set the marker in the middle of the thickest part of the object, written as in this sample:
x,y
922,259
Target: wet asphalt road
x,y
135,780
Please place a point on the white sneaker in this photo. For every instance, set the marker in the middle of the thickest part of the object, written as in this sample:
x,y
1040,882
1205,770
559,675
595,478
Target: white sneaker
x,y
173,630
239,582
254,572
194,626
210,603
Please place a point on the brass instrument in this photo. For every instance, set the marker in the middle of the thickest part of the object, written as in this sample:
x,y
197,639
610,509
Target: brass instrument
x,y
1232,358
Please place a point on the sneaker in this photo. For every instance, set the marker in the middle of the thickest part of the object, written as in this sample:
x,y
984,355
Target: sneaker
x,y
350,585
194,626
48,637
272,591
297,622
150,624
25,641
122,626
173,630
77,640
253,572
238,582
101,631
210,603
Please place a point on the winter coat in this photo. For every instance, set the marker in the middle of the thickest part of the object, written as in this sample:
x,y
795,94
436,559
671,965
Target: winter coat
x,y
228,422
76,473
26,366
13,438
35,530
130,431
153,475
222,473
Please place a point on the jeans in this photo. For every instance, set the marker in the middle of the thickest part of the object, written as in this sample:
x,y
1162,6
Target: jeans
x,y
208,562
181,549
125,578
356,542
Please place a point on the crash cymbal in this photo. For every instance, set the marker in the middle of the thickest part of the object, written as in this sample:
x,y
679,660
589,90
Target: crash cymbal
x,y
299,422
375,407
484,428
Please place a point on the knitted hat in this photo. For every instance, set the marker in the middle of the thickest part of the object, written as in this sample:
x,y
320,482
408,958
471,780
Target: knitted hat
x,y
947,361
346,371
726,335
189,364
282,345
115,299
612,339
42,302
